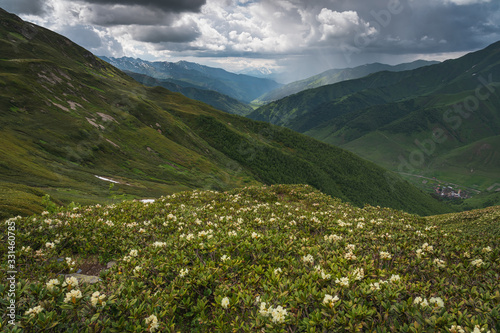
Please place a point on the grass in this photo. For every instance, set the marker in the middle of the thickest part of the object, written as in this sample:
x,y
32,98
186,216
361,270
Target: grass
x,y
283,258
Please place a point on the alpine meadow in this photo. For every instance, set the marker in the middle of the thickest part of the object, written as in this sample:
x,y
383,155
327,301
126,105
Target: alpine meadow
x,y
161,196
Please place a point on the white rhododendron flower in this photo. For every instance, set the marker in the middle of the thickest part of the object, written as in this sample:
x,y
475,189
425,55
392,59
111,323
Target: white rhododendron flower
x,y
152,323
34,311
225,302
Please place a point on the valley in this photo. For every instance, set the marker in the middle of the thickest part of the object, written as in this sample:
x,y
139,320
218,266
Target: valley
x,y
155,196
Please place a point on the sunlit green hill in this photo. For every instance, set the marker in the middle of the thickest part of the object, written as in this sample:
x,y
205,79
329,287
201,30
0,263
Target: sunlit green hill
x,y
436,121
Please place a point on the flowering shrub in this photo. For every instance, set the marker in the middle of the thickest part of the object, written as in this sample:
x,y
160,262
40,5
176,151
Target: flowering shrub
x,y
273,259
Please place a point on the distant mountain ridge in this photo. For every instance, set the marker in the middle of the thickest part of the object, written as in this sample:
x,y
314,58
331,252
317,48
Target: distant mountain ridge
x,y
337,75
440,121
213,98
242,87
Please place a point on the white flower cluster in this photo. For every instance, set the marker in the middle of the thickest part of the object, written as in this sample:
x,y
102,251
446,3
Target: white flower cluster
x,y
255,235
329,300
73,296
183,272
478,329
358,274
377,285
225,302
456,329
97,298
332,238
278,314
436,301
385,255
26,249
343,224
477,262
460,329
325,276
350,256
51,285
34,311
70,262
159,244
439,263
225,258
71,282
152,323
343,281
308,259
395,278
486,249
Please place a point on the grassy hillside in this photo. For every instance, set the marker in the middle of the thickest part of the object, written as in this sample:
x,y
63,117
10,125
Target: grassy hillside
x,y
273,259
336,75
397,119
78,129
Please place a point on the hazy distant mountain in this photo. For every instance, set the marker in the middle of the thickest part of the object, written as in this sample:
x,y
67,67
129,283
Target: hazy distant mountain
x,y
213,98
262,72
337,75
441,121
244,88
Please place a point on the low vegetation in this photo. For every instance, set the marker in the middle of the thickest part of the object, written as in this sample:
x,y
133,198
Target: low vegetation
x,y
284,258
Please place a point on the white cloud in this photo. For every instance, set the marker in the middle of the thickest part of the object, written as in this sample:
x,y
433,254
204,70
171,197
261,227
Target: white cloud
x,y
340,24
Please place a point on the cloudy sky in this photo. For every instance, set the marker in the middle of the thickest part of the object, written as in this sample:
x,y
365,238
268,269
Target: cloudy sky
x,y
297,37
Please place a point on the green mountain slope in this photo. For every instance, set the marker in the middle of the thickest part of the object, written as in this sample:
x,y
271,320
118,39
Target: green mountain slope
x,y
210,97
81,130
283,258
337,75
407,121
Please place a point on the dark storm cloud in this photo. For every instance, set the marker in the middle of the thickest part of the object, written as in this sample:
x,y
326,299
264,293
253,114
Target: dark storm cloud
x,y
409,26
310,34
124,15
33,7
181,34
175,6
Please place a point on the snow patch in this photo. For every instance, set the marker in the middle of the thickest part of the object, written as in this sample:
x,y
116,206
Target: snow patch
x,y
107,179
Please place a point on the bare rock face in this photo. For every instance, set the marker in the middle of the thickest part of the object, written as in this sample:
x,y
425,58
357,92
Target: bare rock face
x,y
83,278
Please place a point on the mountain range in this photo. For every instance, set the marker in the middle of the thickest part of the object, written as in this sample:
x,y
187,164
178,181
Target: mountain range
x,y
439,121
78,129
242,87
211,97
337,75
